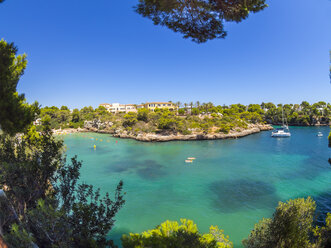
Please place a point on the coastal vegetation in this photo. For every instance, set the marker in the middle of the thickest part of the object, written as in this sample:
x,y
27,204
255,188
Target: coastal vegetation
x,y
190,118
15,113
172,234
292,225
42,202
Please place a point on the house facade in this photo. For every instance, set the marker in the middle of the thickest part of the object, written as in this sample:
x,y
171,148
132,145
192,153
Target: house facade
x,y
126,108
119,108
160,105
130,108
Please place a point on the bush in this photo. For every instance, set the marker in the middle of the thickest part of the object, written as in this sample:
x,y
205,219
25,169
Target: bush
x,y
224,129
76,125
186,132
195,111
290,226
167,123
181,111
143,115
130,119
52,209
171,234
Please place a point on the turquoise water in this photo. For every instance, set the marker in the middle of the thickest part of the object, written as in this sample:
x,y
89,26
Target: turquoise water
x,y
232,183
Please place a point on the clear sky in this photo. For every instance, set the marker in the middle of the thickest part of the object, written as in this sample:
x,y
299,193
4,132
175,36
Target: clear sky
x,y
89,52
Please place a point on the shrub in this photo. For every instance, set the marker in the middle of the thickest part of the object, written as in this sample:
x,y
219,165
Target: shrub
x,y
290,226
181,111
130,119
143,115
171,234
195,111
224,129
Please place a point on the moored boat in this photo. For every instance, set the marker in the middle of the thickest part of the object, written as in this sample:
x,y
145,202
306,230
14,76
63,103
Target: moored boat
x,y
282,132
319,134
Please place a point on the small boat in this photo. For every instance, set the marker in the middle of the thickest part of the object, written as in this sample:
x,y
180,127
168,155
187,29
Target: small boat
x,y
190,158
188,161
319,134
281,132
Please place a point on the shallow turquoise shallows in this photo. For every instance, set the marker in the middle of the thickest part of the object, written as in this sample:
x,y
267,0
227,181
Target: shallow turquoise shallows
x,y
232,183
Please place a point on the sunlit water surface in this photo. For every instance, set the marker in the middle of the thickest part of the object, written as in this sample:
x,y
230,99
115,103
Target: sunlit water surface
x,y
232,183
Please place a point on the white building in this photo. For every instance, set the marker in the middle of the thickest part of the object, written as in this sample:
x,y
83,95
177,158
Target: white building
x,y
130,108
119,108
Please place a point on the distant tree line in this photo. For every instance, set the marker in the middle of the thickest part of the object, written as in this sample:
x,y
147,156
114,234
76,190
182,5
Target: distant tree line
x,y
193,117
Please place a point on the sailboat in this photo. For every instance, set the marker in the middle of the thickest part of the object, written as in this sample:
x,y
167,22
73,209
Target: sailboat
x,y
282,132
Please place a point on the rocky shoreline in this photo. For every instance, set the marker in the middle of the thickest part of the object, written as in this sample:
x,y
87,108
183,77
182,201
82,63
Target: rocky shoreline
x,y
199,136
151,137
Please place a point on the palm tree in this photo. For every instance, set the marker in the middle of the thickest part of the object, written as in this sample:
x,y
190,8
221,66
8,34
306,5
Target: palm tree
x,y
191,106
178,104
197,104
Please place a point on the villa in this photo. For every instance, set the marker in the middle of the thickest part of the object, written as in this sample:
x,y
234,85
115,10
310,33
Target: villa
x,y
160,105
126,108
119,108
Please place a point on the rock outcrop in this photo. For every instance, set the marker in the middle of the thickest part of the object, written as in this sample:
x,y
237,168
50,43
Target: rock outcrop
x,y
98,127
97,124
148,137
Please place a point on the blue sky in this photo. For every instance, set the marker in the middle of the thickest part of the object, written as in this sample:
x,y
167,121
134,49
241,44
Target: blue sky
x,y
89,52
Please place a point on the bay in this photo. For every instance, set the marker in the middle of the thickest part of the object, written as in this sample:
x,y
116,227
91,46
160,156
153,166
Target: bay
x,y
231,183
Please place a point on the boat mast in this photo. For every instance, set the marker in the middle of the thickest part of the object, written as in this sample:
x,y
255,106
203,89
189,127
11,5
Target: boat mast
x,y
282,115
284,126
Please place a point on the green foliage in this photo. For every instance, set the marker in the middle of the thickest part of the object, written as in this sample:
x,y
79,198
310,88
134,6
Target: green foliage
x,y
130,119
19,237
181,111
290,226
224,128
64,108
167,123
329,138
303,114
15,114
53,209
199,20
195,111
143,115
204,118
75,115
87,113
171,234
323,234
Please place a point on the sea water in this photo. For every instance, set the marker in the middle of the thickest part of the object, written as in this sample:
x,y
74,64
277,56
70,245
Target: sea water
x,y
231,183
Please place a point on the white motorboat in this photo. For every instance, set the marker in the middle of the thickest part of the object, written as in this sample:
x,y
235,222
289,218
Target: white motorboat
x,y
282,132
319,134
